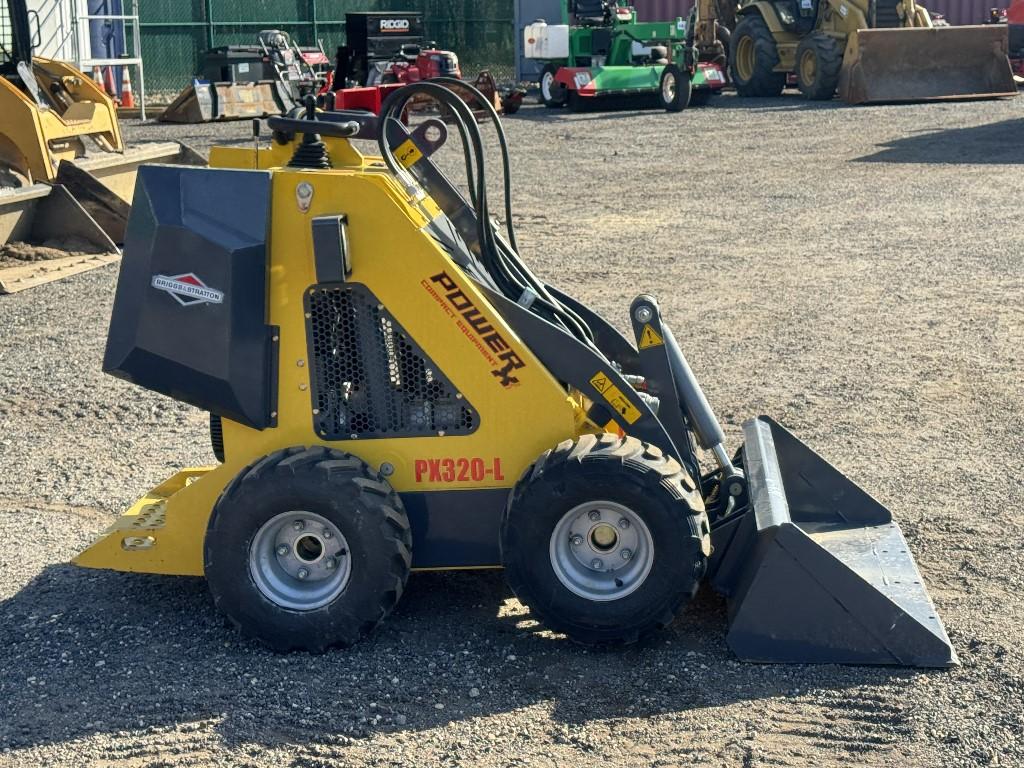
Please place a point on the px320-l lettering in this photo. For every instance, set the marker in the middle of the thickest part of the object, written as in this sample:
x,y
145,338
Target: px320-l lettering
x,y
474,323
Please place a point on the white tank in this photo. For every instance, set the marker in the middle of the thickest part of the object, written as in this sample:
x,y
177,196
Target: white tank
x,y
546,41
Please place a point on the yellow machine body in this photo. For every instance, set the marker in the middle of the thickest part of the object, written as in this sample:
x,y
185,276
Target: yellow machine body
x,y
395,258
35,139
908,60
69,136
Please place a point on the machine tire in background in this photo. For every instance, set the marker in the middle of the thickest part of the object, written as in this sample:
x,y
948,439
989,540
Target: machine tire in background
x,y
618,501
819,58
552,94
700,98
317,511
752,57
674,89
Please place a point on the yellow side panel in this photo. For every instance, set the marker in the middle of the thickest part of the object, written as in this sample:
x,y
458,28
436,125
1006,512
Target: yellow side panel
x,y
414,279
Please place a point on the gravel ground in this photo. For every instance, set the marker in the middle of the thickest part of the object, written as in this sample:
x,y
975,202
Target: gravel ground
x,y
854,272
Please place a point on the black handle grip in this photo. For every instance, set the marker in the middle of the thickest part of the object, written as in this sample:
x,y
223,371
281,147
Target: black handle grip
x,y
325,128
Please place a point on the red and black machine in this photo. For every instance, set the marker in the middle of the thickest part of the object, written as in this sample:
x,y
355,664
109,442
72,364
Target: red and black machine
x,y
388,49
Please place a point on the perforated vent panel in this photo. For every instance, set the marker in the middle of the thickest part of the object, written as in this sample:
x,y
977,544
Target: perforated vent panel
x,y
369,378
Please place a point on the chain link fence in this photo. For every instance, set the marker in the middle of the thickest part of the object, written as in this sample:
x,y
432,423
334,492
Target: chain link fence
x,y
175,33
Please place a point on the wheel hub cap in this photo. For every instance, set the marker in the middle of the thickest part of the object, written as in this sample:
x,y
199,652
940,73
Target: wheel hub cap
x,y
601,551
300,561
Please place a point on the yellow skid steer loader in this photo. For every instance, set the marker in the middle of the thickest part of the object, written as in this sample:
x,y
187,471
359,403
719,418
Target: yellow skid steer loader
x,y
873,51
60,128
392,388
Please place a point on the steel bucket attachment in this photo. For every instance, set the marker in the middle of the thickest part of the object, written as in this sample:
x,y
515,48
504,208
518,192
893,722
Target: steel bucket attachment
x,y
926,64
204,102
815,570
104,183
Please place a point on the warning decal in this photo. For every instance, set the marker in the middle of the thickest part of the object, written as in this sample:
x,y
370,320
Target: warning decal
x,y
408,154
603,384
650,338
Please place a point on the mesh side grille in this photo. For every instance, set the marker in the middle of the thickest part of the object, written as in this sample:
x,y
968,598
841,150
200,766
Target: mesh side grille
x,y
369,378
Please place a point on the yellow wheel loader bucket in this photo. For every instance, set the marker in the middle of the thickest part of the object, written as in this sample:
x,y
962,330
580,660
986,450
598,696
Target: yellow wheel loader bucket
x,y
926,64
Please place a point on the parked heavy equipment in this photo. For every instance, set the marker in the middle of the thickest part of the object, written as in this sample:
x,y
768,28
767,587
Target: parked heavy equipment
x,y
606,52
388,48
251,81
708,32
392,388
59,127
870,50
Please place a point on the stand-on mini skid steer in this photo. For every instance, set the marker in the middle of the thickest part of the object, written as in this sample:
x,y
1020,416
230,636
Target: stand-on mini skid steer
x,y
393,389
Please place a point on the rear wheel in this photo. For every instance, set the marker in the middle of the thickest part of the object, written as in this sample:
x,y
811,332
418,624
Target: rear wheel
x,y
753,58
605,539
818,61
552,93
307,548
674,88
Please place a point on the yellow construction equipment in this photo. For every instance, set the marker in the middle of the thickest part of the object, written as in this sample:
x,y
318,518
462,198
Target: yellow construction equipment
x,y
60,127
392,388
873,51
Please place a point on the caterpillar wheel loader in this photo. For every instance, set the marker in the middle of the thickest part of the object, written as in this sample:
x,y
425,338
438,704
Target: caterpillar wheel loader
x,y
872,51
60,128
391,388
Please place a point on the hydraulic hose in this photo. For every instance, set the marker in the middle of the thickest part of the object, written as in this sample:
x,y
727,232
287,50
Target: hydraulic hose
x,y
499,257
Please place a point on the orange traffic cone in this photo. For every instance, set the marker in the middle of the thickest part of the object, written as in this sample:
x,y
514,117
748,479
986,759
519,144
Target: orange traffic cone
x,y
97,76
108,83
127,97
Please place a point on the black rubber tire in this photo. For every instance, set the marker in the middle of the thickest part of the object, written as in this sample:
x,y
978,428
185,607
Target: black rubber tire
x,y
828,61
681,99
609,468
763,81
350,494
700,97
576,102
558,95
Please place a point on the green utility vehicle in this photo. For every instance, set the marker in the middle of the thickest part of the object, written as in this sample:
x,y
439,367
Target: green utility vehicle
x,y
607,52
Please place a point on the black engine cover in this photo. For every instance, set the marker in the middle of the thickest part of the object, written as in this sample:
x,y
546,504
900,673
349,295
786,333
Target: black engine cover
x,y
190,313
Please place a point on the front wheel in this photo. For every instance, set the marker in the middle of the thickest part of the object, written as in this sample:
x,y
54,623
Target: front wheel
x,y
818,61
605,539
552,93
674,89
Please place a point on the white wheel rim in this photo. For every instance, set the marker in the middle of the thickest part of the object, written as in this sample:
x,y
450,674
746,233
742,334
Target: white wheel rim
x,y
601,551
668,87
300,561
545,85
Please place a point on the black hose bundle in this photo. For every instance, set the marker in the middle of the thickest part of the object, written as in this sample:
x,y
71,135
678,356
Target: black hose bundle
x,y
500,256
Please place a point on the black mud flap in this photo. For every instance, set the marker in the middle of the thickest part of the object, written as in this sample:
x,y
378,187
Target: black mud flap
x,y
815,570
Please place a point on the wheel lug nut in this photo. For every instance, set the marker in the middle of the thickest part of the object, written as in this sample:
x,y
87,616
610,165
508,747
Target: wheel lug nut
x,y
595,515
303,573
577,540
329,563
596,564
327,533
623,523
282,550
626,554
298,525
